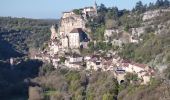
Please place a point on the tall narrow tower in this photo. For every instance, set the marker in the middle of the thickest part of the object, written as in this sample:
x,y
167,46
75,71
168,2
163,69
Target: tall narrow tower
x,y
53,32
95,6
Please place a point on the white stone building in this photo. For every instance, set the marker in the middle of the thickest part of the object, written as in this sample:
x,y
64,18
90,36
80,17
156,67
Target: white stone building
x,y
77,37
67,14
75,58
74,38
93,65
143,71
90,11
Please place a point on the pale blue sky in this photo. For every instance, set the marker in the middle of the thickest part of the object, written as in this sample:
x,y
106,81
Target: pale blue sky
x,y
54,8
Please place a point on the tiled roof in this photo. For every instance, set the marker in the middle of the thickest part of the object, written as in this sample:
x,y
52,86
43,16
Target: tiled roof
x,y
126,61
139,65
126,65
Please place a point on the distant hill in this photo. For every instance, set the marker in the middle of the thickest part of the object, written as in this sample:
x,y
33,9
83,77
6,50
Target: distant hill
x,y
18,35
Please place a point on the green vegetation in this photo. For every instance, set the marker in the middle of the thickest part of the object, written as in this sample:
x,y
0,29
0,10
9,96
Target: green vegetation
x,y
14,80
77,85
18,35
77,11
148,50
100,46
156,90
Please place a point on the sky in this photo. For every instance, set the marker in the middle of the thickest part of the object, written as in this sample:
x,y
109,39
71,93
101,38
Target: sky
x,y
45,9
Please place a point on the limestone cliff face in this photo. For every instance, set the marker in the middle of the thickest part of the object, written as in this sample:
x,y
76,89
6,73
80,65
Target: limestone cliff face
x,y
154,13
71,22
53,32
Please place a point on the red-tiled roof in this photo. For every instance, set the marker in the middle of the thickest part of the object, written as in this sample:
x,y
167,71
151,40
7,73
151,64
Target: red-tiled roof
x,y
140,65
109,63
126,65
126,61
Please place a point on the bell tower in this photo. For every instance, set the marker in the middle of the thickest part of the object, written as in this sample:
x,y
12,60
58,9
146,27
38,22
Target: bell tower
x,y
95,7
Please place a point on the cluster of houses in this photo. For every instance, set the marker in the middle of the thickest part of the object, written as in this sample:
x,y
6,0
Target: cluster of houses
x,y
71,36
111,62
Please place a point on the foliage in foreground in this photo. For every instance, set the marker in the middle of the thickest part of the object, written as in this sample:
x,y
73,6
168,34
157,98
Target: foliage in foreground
x,y
75,85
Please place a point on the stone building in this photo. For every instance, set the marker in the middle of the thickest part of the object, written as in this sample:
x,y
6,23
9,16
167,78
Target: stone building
x,y
70,34
76,37
67,14
90,11
71,22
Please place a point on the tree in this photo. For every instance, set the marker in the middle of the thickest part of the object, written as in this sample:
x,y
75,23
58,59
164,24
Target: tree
x,y
62,59
46,68
151,6
99,33
35,93
131,77
101,46
91,46
109,45
140,7
77,11
102,8
128,51
159,3
101,14
107,96
110,23
112,13
166,3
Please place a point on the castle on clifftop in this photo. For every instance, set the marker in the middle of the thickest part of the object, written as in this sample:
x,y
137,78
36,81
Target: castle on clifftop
x,y
71,33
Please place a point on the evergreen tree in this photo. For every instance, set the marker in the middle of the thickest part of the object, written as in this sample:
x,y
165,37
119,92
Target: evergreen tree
x,y
102,8
140,7
166,3
151,6
159,3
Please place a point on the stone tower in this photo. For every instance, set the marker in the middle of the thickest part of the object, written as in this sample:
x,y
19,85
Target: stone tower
x,y
95,5
53,32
